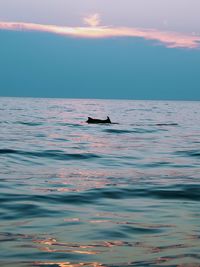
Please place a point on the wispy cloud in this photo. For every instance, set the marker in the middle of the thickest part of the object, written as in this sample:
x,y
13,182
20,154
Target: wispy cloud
x,y
92,20
169,39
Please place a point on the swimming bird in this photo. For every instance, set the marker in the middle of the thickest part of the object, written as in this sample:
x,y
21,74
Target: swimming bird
x,y
91,120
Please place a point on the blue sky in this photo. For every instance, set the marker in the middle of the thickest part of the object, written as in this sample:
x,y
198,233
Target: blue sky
x,y
99,49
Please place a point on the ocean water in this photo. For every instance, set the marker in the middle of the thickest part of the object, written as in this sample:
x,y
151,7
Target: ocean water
x,y
73,194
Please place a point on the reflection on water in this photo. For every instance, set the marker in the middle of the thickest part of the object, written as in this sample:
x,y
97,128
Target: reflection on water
x,y
74,194
69,264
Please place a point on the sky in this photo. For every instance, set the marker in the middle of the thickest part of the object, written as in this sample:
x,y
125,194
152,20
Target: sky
x,y
128,49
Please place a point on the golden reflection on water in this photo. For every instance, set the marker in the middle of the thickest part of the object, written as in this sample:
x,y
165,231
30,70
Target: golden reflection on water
x,y
50,243
106,221
48,249
147,246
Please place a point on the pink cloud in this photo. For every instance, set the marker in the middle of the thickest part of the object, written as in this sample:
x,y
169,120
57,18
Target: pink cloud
x,y
92,20
169,39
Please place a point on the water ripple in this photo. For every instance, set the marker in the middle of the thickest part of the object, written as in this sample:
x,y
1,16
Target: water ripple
x,y
52,154
73,194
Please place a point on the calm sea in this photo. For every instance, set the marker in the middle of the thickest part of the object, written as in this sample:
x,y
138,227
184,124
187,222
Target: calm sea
x,y
73,194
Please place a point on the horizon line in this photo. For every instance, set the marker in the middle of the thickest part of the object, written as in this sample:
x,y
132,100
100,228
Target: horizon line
x,y
103,98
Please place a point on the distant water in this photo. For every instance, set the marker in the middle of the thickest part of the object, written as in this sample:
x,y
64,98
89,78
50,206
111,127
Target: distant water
x,y
73,194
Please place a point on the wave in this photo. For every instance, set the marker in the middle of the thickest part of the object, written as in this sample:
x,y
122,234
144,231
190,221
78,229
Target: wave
x,y
69,124
138,130
52,154
167,124
189,153
29,123
186,192
117,131
162,261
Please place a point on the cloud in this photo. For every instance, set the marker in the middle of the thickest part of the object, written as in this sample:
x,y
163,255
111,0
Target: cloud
x,y
169,39
92,20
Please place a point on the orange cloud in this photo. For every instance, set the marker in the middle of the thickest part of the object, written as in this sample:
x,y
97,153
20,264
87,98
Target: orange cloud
x,y
169,39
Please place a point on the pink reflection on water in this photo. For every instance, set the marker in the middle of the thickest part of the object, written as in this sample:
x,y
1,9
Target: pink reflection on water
x,y
70,264
74,179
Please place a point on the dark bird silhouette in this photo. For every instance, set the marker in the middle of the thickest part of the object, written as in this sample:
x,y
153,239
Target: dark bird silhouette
x,y
91,120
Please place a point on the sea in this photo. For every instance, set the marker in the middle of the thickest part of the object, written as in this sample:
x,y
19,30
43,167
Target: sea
x,y
74,194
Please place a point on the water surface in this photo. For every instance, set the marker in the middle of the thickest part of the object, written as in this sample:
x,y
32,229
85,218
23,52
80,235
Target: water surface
x,y
74,194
